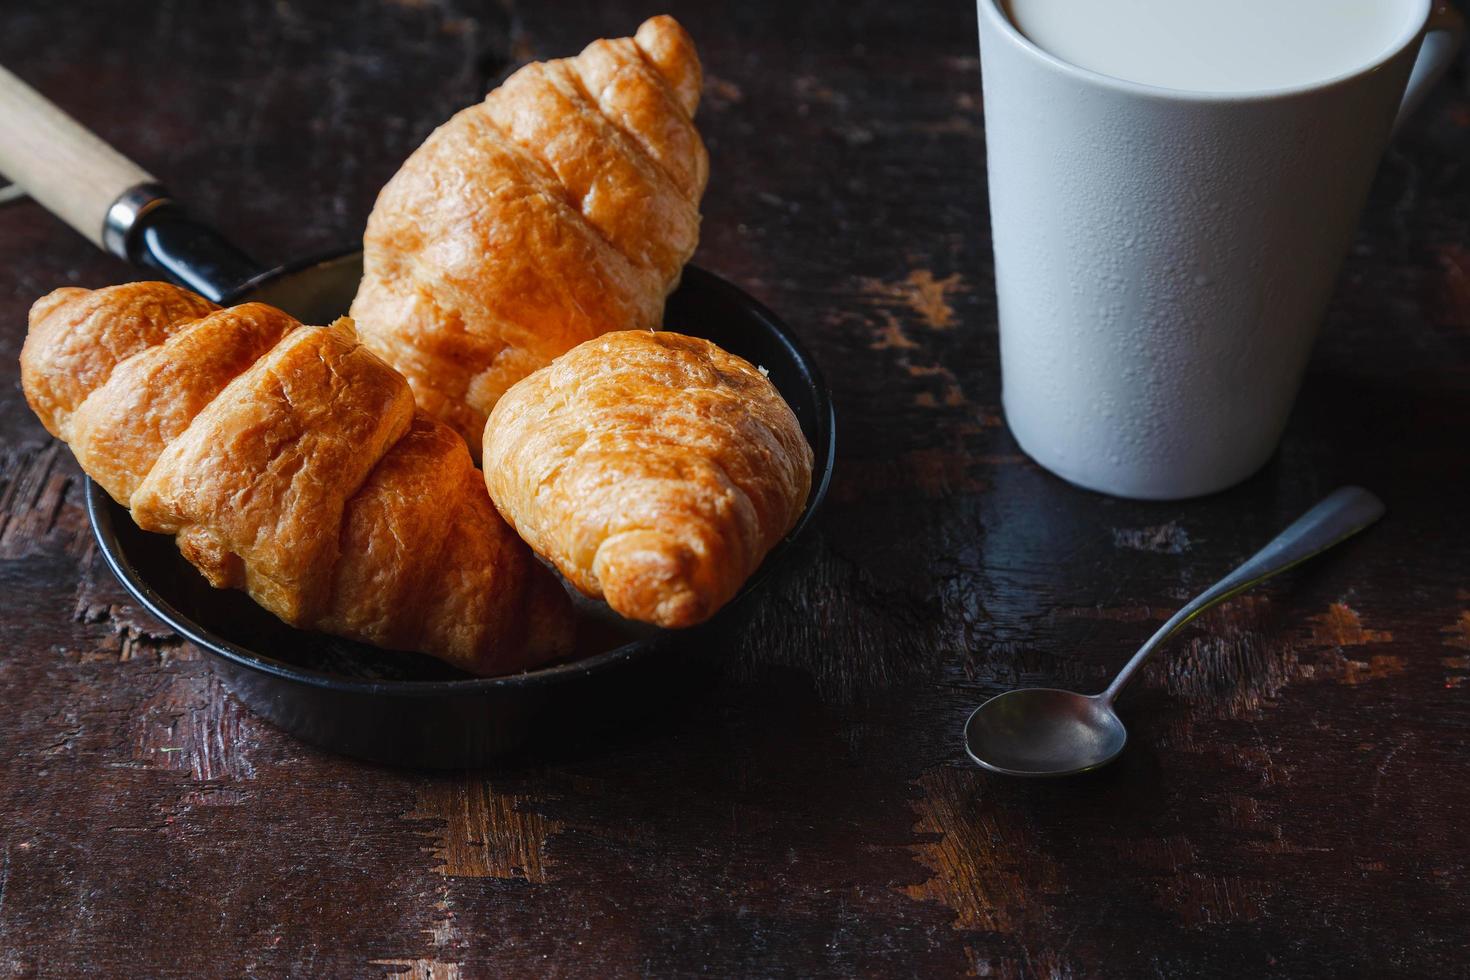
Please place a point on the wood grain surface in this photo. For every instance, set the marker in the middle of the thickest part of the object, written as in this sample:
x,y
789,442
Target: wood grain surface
x,y
1294,802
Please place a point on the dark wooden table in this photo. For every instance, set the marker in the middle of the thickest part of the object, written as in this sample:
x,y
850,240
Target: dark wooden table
x,y
1295,800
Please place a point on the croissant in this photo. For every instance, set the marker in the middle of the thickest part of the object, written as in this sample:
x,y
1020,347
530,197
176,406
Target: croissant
x,y
654,470
562,206
289,462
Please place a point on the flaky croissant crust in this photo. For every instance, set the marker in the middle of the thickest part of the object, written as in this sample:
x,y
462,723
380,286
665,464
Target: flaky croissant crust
x,y
654,470
289,462
561,207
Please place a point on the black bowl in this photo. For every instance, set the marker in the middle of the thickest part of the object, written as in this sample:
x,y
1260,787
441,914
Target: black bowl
x,y
407,709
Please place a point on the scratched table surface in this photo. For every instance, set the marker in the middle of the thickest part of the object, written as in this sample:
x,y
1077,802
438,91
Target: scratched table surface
x,y
1294,799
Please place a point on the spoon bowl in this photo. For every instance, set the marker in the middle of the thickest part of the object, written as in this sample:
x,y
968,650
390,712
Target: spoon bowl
x,y
1041,731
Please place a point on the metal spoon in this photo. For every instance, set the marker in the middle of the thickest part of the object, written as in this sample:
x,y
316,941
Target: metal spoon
x,y
1046,732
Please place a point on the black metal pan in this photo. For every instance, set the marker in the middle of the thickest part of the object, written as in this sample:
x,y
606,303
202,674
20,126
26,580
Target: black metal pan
x,y
391,707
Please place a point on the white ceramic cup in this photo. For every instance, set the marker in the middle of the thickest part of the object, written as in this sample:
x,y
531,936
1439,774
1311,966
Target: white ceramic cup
x,y
1163,258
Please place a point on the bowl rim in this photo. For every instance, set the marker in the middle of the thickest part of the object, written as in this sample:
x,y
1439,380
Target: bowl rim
x,y
101,509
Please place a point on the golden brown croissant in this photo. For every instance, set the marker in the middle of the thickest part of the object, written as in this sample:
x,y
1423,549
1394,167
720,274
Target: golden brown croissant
x,y
654,470
563,206
290,463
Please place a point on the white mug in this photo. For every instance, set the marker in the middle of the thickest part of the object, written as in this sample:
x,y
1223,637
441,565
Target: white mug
x,y
1163,258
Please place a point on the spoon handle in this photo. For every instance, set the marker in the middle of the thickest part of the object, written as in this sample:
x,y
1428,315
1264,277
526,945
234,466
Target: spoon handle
x,y
1343,513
